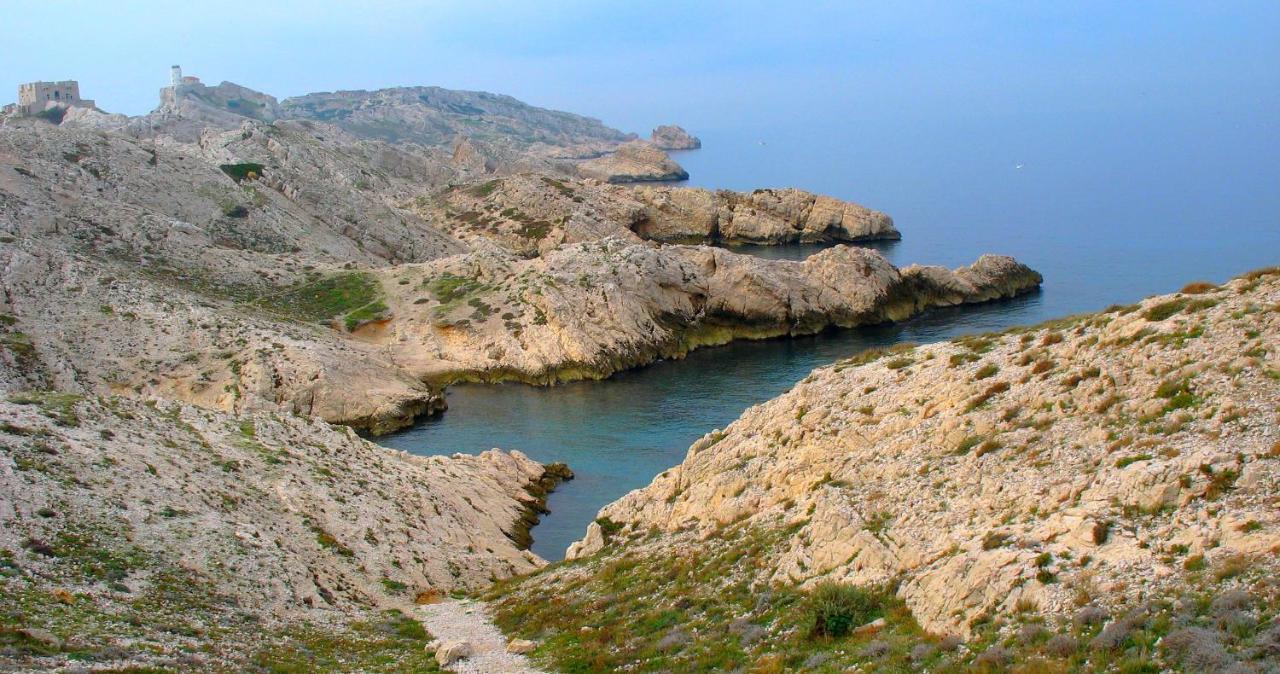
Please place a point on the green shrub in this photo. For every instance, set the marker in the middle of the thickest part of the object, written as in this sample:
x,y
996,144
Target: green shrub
x,y
241,172
836,609
986,371
1124,461
968,443
483,189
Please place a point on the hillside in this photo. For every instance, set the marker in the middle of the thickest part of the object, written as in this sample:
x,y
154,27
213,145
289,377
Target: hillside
x,y
1096,492
189,299
168,535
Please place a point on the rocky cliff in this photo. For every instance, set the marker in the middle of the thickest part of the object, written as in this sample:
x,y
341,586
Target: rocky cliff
x,y
589,310
1126,462
671,137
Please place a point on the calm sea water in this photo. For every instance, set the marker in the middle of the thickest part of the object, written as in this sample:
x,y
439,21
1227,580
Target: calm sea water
x,y
1109,213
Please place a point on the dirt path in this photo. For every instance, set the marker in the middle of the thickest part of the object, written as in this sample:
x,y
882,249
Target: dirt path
x,y
466,620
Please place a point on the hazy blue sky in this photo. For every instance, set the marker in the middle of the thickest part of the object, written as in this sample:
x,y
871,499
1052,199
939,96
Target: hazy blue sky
x,y
637,64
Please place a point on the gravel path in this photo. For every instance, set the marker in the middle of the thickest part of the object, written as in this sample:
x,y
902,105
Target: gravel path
x,y
465,620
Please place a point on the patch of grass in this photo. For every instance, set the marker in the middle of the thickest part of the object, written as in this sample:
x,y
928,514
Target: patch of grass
x,y
988,370
447,288
1179,394
968,443
995,389
1168,308
875,353
1127,460
373,311
900,363
61,407
1198,288
484,189
353,297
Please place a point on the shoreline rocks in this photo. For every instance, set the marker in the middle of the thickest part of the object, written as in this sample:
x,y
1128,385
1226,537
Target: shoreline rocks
x,y
633,162
671,137
1004,470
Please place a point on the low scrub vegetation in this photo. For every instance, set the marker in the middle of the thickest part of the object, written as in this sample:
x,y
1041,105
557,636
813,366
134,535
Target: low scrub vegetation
x,y
352,297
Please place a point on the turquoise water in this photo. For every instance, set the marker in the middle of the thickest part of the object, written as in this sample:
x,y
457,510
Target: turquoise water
x,y
1109,213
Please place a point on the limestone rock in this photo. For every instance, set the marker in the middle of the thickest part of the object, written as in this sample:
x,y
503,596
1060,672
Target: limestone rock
x,y
590,544
521,646
633,162
671,137
452,651
966,471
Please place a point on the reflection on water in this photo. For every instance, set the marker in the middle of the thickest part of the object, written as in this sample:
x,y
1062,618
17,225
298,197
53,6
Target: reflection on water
x,y
619,433
800,251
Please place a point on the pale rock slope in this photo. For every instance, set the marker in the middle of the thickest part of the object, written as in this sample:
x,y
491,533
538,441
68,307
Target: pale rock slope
x,y
1106,456
192,520
591,309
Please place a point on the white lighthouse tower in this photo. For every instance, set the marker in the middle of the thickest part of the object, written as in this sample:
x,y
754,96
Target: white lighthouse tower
x,y
175,76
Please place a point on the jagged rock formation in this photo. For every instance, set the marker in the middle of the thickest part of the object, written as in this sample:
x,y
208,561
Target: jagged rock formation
x,y
764,216
1110,456
633,162
671,137
531,213
198,521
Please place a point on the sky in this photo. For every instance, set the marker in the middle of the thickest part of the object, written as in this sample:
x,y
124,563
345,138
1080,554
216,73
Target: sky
x,y
636,65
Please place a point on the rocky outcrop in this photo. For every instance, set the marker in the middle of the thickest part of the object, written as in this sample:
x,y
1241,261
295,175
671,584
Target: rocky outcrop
x,y
193,518
91,330
1109,456
633,162
589,310
533,213
690,215
671,137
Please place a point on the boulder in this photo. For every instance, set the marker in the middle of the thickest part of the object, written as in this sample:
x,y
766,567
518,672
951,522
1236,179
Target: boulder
x,y
452,651
521,646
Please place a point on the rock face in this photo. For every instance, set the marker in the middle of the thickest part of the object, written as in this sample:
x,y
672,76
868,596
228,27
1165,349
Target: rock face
x,y
532,214
116,505
633,162
670,137
589,310
692,215
1121,451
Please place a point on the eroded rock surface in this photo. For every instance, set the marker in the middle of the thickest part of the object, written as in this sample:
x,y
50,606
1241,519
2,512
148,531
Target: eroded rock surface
x,y
192,518
633,162
589,310
1110,454
671,137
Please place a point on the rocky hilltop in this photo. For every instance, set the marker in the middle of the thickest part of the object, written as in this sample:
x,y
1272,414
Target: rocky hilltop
x,y
436,116
1108,478
671,137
